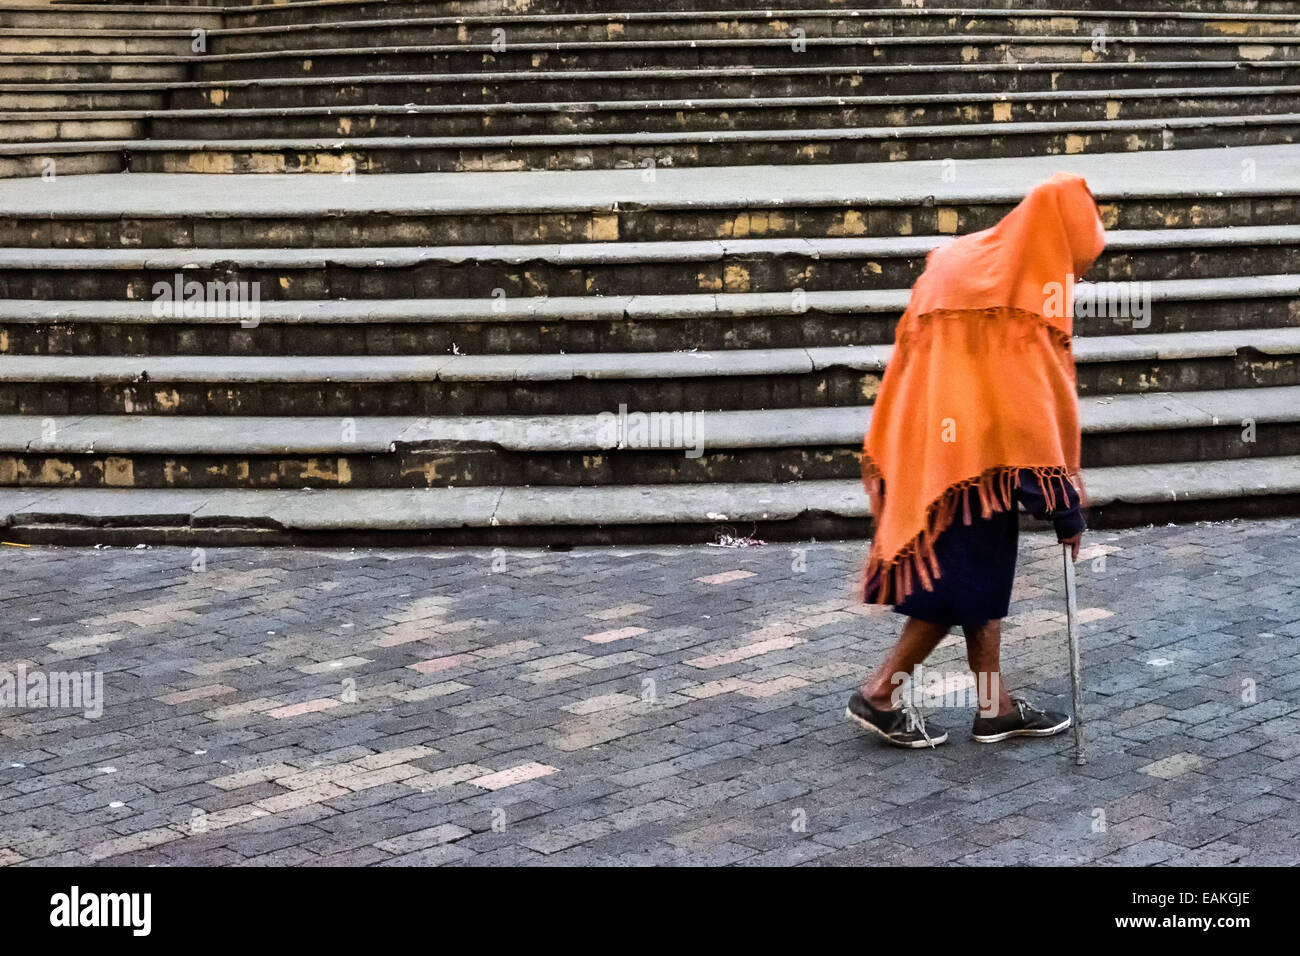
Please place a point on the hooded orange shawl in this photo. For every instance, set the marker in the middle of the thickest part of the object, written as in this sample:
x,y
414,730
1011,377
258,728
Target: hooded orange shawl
x,y
981,383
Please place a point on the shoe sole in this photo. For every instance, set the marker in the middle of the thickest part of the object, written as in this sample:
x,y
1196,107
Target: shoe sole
x,y
910,745
1045,732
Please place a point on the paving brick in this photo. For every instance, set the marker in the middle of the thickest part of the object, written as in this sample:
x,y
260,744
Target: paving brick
x,y
524,741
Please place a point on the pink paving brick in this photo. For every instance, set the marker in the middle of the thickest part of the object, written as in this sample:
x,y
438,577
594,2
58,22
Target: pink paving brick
x,y
622,634
306,707
408,635
198,693
725,577
436,664
508,778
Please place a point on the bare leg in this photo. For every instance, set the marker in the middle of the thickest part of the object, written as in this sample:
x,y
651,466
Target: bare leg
x,y
918,640
983,651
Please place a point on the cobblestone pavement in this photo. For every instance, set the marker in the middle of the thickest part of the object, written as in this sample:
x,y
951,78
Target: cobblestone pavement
x,y
633,706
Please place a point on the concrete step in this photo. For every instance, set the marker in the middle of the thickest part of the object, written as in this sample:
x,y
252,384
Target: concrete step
x,y
733,82
83,40
651,84
736,24
815,51
134,13
81,97
582,450
299,12
238,324
563,516
679,149
1252,186
541,383
570,73
387,155
91,68
603,268
617,116
102,16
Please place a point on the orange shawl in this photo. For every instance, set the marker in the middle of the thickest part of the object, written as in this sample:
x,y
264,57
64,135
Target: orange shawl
x,y
981,382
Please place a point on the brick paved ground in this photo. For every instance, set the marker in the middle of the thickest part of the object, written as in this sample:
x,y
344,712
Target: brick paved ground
x,y
676,705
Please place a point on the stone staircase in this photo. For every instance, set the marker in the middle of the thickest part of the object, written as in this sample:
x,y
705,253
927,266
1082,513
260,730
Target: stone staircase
x,y
631,276
446,86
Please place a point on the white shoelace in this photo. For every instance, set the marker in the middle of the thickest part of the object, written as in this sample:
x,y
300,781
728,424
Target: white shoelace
x,y
915,719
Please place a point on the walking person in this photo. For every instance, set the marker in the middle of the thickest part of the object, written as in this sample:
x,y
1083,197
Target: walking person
x,y
977,415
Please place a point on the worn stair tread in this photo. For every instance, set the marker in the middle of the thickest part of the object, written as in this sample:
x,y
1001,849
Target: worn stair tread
x,y
560,46
1230,67
96,32
591,253
395,509
864,13
600,307
1175,174
693,103
643,138
760,428
588,365
487,21
287,7
908,40
739,305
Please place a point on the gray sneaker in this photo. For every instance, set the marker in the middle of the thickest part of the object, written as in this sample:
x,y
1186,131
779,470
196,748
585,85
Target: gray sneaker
x,y
1024,721
904,727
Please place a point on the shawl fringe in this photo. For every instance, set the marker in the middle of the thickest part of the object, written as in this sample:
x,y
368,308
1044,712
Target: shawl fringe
x,y
891,581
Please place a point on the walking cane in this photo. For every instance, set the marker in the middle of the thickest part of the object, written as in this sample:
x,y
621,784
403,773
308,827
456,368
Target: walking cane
x,y
1072,625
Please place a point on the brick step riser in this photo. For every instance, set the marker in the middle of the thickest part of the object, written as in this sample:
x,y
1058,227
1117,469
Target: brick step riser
x,y
830,387
479,279
524,31
685,56
522,88
380,159
642,120
809,330
626,225
460,467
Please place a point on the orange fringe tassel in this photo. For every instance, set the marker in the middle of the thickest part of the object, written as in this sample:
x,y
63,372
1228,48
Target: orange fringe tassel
x,y
893,581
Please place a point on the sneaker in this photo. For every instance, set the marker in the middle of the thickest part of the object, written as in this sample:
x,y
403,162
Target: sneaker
x,y
904,727
1024,721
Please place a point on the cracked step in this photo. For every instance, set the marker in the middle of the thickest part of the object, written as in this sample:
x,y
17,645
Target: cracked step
x,y
604,268
372,155
581,324
580,515
776,445
592,382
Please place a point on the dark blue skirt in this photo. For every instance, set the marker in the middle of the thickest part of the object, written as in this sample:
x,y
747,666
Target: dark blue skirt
x,y
977,561
978,565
